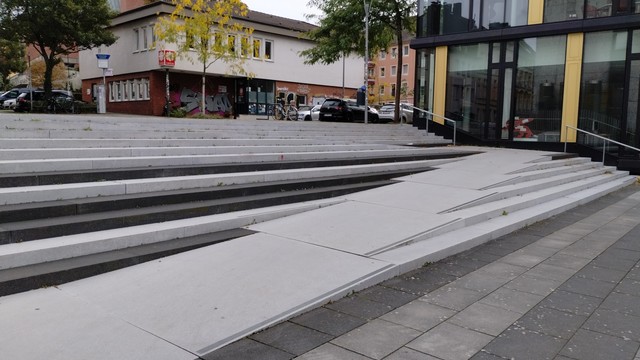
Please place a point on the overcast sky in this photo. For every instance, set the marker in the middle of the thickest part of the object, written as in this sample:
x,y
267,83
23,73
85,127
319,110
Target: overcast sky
x,y
292,9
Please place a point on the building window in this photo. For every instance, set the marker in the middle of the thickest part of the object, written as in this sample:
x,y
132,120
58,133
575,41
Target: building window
x,y
268,49
145,40
136,39
539,89
244,46
497,14
382,72
129,90
257,48
394,70
467,88
383,54
382,90
561,10
603,77
231,44
405,50
393,90
405,69
394,53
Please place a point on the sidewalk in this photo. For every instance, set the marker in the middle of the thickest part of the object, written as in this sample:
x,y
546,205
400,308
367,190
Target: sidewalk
x,y
564,288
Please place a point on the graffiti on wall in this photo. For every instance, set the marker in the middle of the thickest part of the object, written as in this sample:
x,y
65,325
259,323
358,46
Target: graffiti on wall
x,y
191,100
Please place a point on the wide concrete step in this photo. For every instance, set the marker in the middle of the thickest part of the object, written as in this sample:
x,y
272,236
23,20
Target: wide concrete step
x,y
8,167
17,255
31,194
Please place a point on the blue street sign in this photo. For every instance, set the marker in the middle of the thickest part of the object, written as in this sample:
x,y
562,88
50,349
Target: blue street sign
x,y
103,56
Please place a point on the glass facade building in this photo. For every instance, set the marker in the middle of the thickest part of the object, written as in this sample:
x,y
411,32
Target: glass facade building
x,y
531,70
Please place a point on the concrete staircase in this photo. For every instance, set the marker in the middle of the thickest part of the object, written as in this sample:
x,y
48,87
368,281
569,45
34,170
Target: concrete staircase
x,y
80,196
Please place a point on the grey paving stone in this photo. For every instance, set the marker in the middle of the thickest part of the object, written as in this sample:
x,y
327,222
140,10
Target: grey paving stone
x,y
612,262
496,249
409,354
455,298
551,272
589,345
551,322
521,259
247,349
601,274
532,285
512,300
484,355
388,296
481,282
503,270
518,239
624,303
292,338
329,351
589,287
359,307
578,304
517,343
377,338
629,286
479,254
629,242
329,321
555,244
623,253
419,282
567,261
615,323
419,315
634,273
485,318
444,341
457,266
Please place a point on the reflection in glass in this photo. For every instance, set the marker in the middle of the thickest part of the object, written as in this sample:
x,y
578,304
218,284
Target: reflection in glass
x,y
603,78
561,10
466,97
539,89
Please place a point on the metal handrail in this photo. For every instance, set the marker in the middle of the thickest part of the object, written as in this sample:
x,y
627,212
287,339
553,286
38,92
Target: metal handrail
x,y
433,114
604,147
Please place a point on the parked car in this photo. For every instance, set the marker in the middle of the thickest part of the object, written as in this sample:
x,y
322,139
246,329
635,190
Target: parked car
x,y
388,111
308,113
23,102
345,110
9,104
12,94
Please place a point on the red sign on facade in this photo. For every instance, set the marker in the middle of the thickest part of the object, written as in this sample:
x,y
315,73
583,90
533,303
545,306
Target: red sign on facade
x,y
167,58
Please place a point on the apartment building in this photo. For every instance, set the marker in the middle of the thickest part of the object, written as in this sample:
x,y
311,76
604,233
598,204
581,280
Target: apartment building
x,y
383,71
531,70
135,81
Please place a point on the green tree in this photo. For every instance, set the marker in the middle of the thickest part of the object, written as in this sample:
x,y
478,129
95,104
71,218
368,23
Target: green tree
x,y
206,31
11,58
57,28
341,31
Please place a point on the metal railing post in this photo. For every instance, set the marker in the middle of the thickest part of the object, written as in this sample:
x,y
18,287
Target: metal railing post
x,y
605,141
566,137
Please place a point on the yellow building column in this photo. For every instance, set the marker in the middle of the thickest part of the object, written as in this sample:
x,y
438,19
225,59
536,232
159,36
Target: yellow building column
x,y
572,77
440,83
536,12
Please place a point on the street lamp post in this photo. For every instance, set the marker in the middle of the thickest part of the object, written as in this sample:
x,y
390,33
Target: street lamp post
x,y
366,61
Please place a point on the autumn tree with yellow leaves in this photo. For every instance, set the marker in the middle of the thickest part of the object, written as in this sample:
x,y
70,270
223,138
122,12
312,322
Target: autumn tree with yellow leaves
x,y
206,31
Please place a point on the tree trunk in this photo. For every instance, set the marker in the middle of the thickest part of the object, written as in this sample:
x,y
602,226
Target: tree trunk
x,y
203,110
397,117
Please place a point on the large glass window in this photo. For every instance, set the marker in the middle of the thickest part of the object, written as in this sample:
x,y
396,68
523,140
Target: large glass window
x,y
539,89
498,14
467,86
425,78
603,77
561,10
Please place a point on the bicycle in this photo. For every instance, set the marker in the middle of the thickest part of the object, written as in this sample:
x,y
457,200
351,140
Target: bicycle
x,y
288,112
62,104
